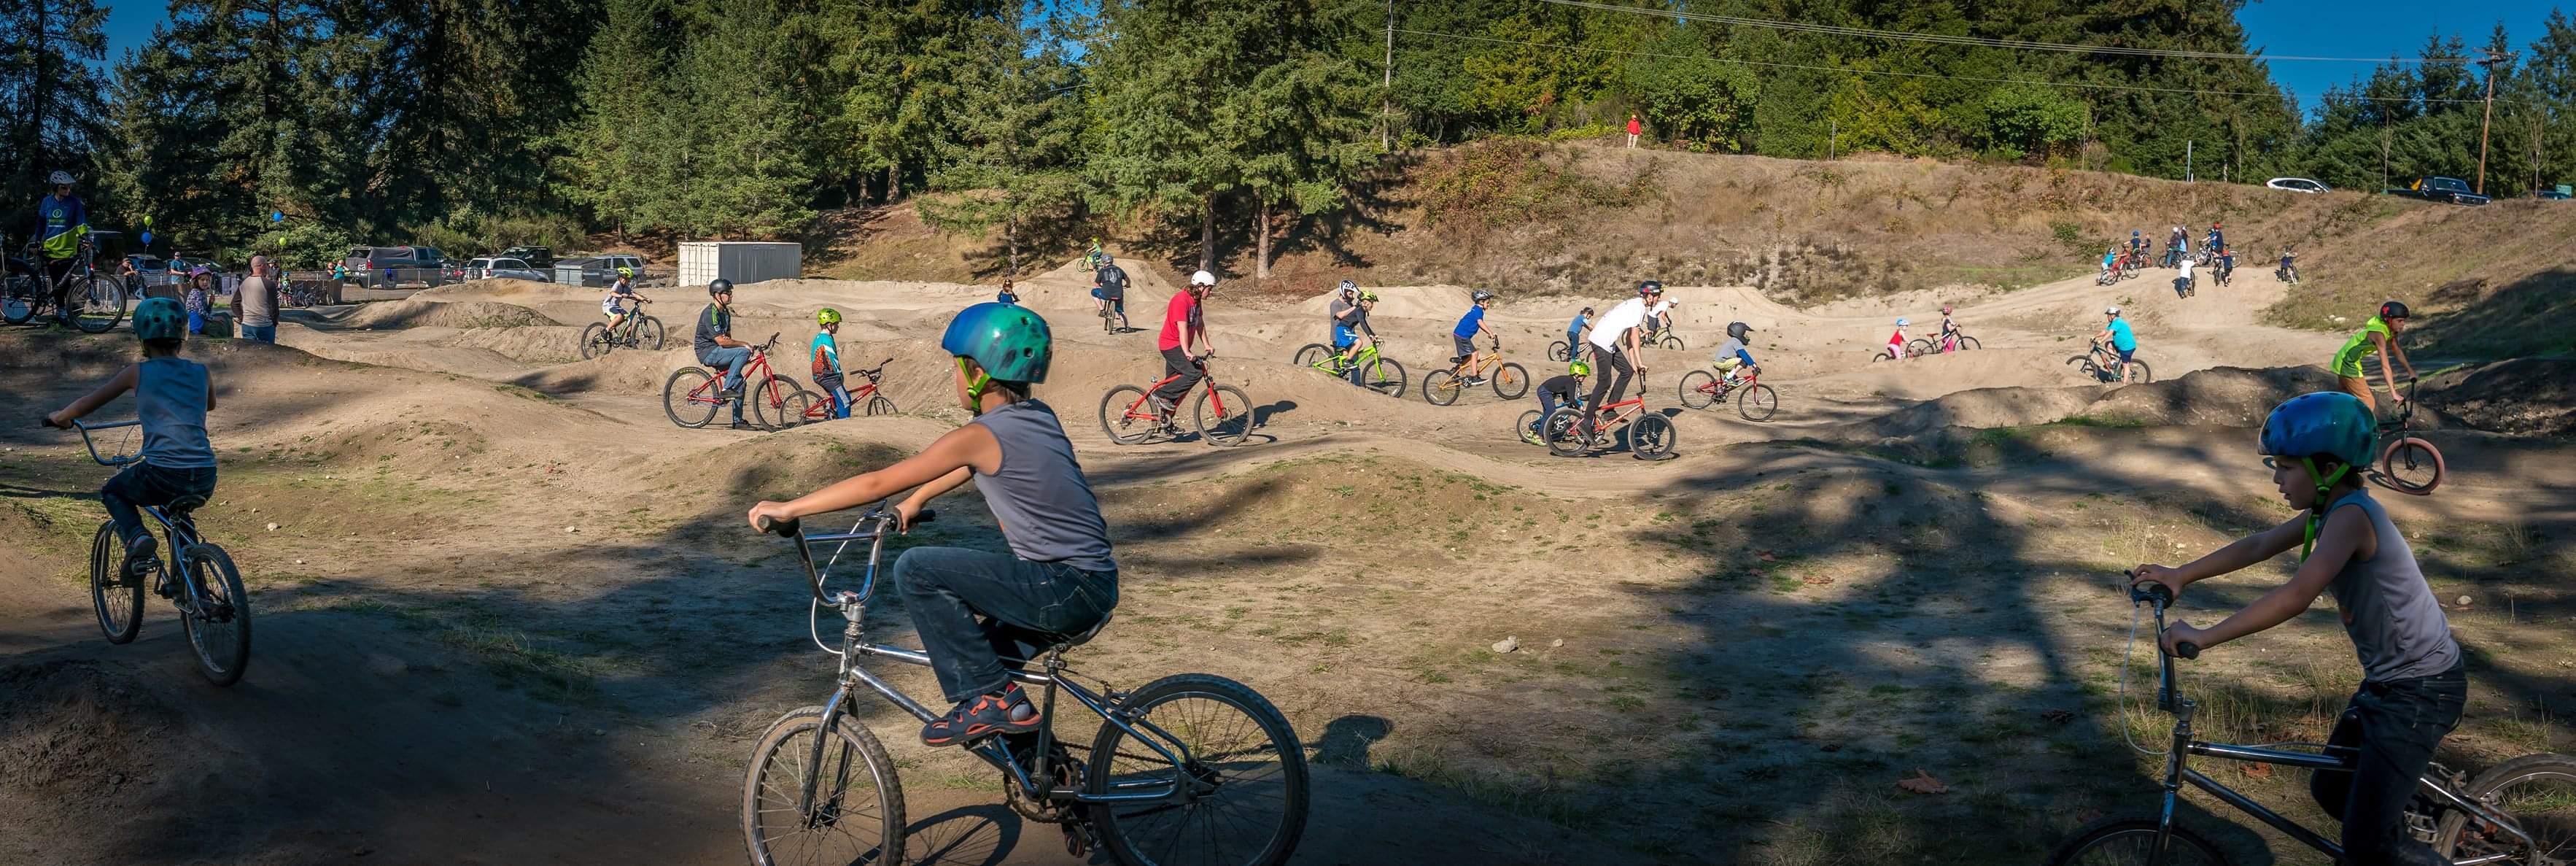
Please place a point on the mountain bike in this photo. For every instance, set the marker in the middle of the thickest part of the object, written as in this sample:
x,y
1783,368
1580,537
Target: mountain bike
x,y
1190,764
303,294
2408,463
93,305
1222,412
1111,311
1702,389
1663,336
213,608
2185,287
639,331
2512,813
692,394
1954,342
1561,350
1527,429
2103,365
2288,272
1650,435
808,407
2130,262
1377,373
1441,387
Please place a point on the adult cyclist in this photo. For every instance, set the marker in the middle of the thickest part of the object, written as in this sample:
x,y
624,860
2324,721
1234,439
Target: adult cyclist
x,y
62,234
1184,327
1615,341
1109,289
2376,337
717,348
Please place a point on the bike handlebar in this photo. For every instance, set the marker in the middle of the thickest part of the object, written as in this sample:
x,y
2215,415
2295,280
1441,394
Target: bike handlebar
x,y
793,530
92,444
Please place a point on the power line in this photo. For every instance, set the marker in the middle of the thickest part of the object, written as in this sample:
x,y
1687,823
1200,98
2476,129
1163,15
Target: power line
x,y
1946,39
1849,71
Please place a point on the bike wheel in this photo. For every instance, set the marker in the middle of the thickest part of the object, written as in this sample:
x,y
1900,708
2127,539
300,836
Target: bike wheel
x,y
1699,389
18,302
769,402
1918,347
1226,419
1758,402
1116,421
2534,791
799,408
2117,841
594,341
689,397
1672,342
1312,354
1527,429
102,305
1242,763
1650,437
1560,351
648,334
118,597
1383,376
1562,440
1440,387
877,405
2411,465
856,815
2140,373
218,623
1967,344
1510,381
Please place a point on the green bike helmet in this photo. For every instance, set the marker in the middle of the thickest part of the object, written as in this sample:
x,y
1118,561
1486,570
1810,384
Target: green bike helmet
x,y
1009,341
1579,368
160,319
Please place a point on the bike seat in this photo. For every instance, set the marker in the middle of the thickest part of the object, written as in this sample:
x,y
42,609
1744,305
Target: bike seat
x,y
180,507
1460,359
1044,643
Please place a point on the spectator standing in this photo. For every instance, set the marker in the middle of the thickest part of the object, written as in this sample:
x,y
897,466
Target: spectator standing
x,y
257,302
1634,129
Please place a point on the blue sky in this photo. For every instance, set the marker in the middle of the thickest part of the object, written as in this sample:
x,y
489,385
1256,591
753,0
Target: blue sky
x,y
2332,28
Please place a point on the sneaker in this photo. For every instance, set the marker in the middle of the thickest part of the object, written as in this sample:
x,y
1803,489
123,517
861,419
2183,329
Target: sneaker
x,y
982,716
745,425
138,555
1163,407
733,393
1472,381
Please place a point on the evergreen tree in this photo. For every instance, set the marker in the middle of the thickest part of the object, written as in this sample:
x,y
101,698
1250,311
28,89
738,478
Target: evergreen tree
x,y
1014,154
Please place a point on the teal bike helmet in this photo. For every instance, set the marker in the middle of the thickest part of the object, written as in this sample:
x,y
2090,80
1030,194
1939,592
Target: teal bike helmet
x,y
1009,341
2325,423
160,319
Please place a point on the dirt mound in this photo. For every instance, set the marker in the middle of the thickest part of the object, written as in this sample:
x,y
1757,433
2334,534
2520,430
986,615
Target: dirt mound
x,y
2222,396
535,345
2524,396
83,742
414,312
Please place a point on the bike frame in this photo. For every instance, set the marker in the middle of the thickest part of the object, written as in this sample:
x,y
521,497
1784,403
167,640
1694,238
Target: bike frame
x,y
1477,362
1205,381
1716,386
858,397
2330,759
182,530
1367,355
759,364
995,751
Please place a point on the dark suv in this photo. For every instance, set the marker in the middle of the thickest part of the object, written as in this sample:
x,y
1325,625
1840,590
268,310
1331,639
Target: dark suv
x,y
541,258
383,267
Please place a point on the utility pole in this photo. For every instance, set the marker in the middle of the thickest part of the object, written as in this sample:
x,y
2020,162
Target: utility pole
x,y
2186,161
1386,107
2493,58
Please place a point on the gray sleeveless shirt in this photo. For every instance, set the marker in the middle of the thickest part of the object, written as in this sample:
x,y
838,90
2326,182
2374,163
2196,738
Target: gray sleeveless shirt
x,y
170,398
1046,508
2388,610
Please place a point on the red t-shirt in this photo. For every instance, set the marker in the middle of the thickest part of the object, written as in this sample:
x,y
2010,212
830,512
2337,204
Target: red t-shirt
x,y
1633,127
1182,309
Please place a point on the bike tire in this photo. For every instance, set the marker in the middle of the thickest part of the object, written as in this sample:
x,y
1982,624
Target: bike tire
x,y
1918,347
1883,355
676,391
1527,429
2144,374
769,402
18,301
1383,376
799,409
1560,351
1229,424
878,405
1967,343
2125,840
1562,441
1265,765
775,782
594,341
117,598
1113,416
2454,839
102,306
1671,342
1312,354
1441,387
648,334
1699,389
2411,465
218,624
1651,436
1511,381
1758,402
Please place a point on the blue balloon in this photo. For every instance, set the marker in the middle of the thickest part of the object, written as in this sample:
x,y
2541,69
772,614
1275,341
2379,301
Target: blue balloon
x,y
277,216
147,237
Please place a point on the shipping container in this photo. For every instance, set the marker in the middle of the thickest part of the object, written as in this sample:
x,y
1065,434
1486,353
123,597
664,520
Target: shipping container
x,y
702,262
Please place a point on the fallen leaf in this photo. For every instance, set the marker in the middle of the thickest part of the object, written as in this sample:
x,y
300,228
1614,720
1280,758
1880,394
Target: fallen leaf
x,y
2058,716
1812,580
2256,771
1767,557
1923,783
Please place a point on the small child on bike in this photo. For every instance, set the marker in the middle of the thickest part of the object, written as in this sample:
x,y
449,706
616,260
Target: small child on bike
x,y
1574,334
1896,341
200,298
1470,326
827,360
1007,295
1565,390
1058,578
2414,684
1732,355
1346,337
171,396
2224,265
2289,271
2110,260
619,293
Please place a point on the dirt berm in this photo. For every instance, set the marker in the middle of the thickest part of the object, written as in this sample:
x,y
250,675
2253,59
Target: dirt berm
x,y
2524,396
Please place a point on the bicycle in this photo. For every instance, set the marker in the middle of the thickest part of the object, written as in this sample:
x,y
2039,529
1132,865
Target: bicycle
x,y
809,407
1225,425
1561,350
1954,342
2464,819
1660,336
2185,287
303,294
1441,387
1188,762
2103,365
100,300
691,395
2287,273
639,331
213,608
1650,435
1527,429
2407,464
1702,389
1377,373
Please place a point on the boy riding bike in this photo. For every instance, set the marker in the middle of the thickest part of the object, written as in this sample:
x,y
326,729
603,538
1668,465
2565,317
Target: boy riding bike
x,y
1058,579
2414,684
2110,261
620,292
827,360
1732,355
1346,332
1561,390
171,396
716,346
1470,326
1109,288
1574,334
2376,337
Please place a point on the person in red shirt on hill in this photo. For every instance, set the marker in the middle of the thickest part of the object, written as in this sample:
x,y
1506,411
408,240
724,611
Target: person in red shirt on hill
x,y
1634,129
1184,326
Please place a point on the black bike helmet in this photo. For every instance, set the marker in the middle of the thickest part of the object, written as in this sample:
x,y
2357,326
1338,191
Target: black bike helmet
x,y
1738,329
2392,310
719,286
1650,287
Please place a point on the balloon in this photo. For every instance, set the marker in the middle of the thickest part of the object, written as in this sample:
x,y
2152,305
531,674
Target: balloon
x,y
147,223
277,216
147,234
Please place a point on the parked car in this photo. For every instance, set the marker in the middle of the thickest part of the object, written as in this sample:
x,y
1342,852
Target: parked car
x,y
595,271
153,269
2297,184
430,258
541,257
2448,190
384,267
486,268
2559,195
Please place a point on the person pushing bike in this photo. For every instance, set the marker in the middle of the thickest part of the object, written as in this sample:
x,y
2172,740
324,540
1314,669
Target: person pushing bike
x,y
1184,326
716,346
62,238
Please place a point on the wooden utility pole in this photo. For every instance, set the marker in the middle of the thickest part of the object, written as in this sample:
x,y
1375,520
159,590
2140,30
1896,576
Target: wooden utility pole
x,y
1386,108
2493,58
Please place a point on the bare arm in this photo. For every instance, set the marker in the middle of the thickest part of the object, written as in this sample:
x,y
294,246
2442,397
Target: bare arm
x,y
115,386
2347,534
2235,556
945,462
2387,371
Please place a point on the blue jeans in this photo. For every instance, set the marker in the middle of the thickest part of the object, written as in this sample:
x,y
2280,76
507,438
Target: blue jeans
x,y
981,614
262,333
144,484
732,358
196,323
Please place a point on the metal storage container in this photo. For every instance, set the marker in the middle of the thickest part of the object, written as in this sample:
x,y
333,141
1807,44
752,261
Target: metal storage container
x,y
702,262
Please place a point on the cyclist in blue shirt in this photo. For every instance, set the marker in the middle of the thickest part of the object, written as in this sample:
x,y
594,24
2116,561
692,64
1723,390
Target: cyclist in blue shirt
x,y
2117,332
1574,334
1469,327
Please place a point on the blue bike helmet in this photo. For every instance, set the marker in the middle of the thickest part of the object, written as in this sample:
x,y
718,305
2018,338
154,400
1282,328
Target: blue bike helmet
x,y
2328,423
160,319
1009,341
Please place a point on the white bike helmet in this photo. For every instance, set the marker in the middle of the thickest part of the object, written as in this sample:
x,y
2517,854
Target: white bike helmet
x,y
2110,311
60,178
1349,287
1203,278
